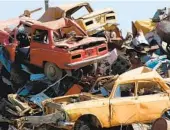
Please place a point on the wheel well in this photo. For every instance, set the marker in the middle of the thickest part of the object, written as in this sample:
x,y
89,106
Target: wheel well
x,y
94,121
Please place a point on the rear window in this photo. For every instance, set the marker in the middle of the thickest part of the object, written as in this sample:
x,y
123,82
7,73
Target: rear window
x,y
79,13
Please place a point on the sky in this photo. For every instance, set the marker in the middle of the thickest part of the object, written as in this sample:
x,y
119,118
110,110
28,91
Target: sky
x,y
126,10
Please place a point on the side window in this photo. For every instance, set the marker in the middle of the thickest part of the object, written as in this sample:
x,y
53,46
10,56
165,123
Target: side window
x,y
148,88
56,37
41,36
125,90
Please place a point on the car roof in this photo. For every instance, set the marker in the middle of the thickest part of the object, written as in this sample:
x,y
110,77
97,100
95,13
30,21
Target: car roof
x,y
53,13
7,25
29,22
67,7
141,73
53,25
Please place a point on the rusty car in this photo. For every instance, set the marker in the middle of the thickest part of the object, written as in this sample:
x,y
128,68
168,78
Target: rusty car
x,y
95,23
55,46
135,96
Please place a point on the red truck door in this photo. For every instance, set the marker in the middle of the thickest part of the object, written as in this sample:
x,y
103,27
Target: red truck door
x,y
40,47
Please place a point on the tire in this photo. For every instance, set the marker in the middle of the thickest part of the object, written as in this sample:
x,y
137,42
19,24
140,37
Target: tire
x,y
52,72
82,125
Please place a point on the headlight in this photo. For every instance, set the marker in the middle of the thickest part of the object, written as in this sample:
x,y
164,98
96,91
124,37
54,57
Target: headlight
x,y
64,115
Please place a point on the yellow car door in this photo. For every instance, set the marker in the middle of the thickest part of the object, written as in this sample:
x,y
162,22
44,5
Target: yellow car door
x,y
123,105
152,100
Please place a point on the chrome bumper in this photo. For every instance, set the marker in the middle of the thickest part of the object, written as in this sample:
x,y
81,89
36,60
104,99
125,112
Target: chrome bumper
x,y
88,61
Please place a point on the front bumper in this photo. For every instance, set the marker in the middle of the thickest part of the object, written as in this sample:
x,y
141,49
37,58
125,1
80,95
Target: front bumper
x,y
54,119
88,61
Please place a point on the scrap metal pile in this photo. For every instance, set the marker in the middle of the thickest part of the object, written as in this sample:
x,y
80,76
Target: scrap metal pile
x,y
61,55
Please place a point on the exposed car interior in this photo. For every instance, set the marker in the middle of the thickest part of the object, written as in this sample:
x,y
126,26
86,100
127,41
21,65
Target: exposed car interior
x,y
125,90
103,86
24,38
144,88
148,88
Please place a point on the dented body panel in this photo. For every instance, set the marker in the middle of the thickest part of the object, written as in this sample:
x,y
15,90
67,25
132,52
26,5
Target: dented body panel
x,y
114,110
93,22
76,49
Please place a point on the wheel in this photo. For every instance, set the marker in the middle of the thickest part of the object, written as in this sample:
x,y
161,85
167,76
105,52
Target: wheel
x,y
52,72
81,125
84,125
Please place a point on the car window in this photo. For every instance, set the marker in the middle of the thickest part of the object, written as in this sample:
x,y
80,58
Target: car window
x,y
103,86
41,36
79,13
148,88
56,37
125,90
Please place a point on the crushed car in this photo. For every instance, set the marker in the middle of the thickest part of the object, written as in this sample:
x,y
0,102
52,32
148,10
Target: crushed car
x,y
122,101
95,23
42,44
150,24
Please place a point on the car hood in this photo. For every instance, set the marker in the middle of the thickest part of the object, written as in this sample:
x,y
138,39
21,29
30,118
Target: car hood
x,y
73,43
65,100
72,102
95,13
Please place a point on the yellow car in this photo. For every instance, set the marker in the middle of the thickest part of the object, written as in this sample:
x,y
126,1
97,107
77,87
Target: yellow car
x,y
149,25
93,22
137,96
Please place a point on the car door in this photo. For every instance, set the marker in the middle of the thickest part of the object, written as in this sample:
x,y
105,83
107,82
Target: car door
x,y
39,47
152,100
123,104
11,48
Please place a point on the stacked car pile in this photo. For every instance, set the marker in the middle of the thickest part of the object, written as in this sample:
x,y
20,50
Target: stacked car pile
x,y
62,55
